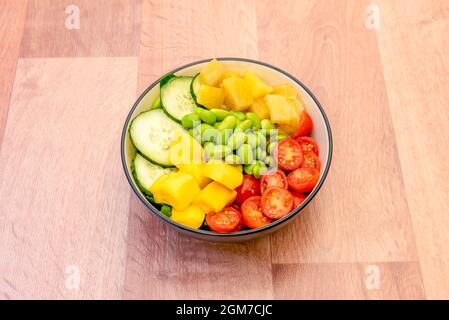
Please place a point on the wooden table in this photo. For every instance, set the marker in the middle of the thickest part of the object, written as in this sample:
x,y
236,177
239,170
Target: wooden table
x,y
70,226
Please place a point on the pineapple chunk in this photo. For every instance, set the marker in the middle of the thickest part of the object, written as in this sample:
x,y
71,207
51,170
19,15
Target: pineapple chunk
x,y
185,149
230,73
287,90
260,108
281,111
237,93
210,97
212,73
259,88
298,108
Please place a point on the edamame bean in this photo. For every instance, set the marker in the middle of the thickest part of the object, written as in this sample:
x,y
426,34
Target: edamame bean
x,y
218,152
156,103
270,162
228,123
190,132
220,114
267,124
199,109
223,136
245,152
255,119
261,153
233,159
236,140
271,147
280,137
251,139
210,134
261,140
244,125
259,169
208,117
249,168
189,120
239,115
166,210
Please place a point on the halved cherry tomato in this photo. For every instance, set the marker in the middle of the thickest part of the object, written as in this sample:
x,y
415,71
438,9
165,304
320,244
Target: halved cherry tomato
x,y
305,125
298,198
308,144
252,216
227,220
289,154
249,187
276,202
311,161
273,178
303,179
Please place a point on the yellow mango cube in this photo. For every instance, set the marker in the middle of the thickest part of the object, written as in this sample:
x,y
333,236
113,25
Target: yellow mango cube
x,y
238,94
214,197
298,108
185,149
260,108
259,88
212,73
210,97
196,170
228,175
177,189
192,216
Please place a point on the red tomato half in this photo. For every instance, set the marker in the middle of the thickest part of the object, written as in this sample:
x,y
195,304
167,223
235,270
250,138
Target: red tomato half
x,y
227,220
252,216
276,202
273,178
249,187
311,161
298,198
289,154
303,179
308,144
305,126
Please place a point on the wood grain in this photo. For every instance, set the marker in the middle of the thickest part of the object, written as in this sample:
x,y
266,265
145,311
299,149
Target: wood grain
x,y
65,205
107,28
12,18
414,41
361,214
396,280
161,263
63,196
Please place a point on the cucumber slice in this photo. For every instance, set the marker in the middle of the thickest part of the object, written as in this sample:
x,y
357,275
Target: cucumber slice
x,y
151,133
176,97
195,86
146,173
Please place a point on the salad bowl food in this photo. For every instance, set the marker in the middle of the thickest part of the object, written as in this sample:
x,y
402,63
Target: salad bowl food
x,y
227,149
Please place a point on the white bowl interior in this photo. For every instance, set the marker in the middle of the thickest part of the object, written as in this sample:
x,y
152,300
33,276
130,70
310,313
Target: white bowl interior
x,y
271,76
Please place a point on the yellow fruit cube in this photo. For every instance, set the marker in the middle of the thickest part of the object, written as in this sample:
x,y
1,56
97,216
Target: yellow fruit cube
x,y
287,90
185,149
259,88
230,73
260,108
210,97
214,197
177,189
196,170
298,108
192,216
212,73
228,175
281,111
237,93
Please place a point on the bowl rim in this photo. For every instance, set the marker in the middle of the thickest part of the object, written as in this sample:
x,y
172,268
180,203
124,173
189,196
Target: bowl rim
x,y
248,232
